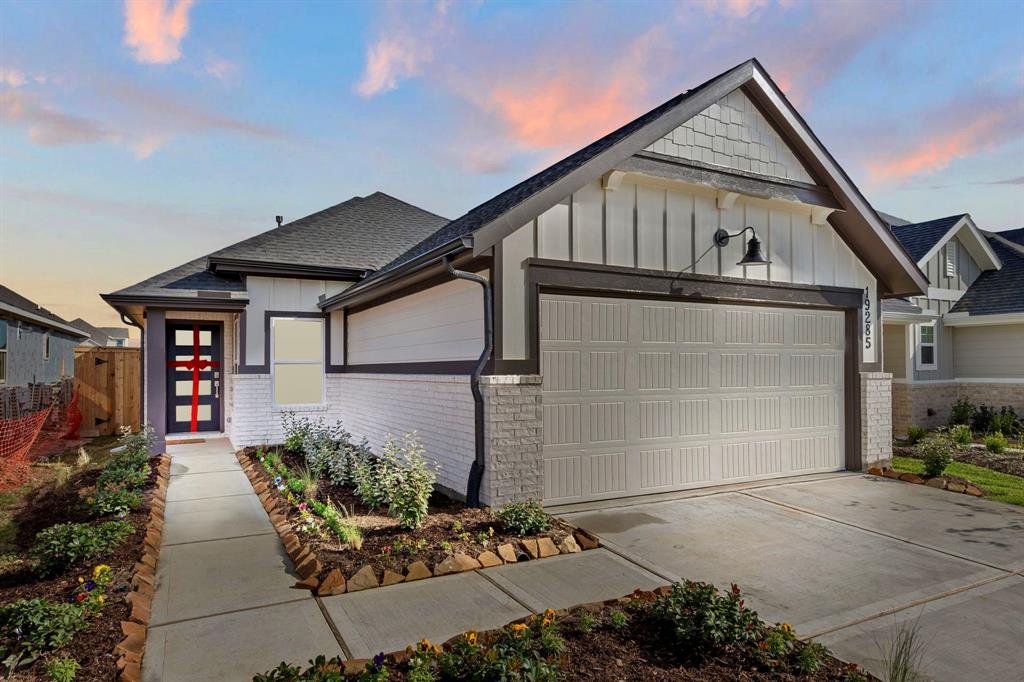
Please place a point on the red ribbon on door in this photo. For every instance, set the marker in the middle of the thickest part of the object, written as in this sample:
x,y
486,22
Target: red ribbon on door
x,y
196,365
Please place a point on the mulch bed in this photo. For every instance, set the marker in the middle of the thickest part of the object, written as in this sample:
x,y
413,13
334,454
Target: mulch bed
x,y
93,647
380,531
1006,463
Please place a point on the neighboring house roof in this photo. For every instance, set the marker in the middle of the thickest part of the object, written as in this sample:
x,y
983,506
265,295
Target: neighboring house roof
x,y
893,220
115,333
996,292
489,222
900,305
919,238
18,306
96,335
359,235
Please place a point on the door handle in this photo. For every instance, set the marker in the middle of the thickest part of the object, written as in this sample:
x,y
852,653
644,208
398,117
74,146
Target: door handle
x,y
216,389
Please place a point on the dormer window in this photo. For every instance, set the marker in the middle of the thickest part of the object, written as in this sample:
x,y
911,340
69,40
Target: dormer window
x,y
951,258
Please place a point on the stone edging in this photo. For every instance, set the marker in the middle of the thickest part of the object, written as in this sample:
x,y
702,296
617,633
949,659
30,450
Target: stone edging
x,y
133,646
308,566
354,666
940,482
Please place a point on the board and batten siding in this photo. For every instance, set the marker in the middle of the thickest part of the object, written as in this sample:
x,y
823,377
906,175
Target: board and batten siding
x,y
967,271
668,229
989,352
442,323
288,295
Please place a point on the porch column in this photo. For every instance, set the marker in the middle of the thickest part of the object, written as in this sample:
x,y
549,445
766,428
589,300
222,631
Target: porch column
x,y
875,418
156,378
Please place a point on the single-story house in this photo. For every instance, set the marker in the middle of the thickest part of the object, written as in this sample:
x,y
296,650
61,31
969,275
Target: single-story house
x,y
36,346
608,327
102,337
965,337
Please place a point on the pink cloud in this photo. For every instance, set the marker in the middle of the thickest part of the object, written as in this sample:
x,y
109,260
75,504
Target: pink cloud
x,y
737,9
155,30
972,124
404,46
46,125
12,77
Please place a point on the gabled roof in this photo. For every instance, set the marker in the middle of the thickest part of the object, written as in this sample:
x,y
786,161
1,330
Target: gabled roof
x,y
345,240
96,335
1015,236
900,306
16,305
996,292
919,238
866,233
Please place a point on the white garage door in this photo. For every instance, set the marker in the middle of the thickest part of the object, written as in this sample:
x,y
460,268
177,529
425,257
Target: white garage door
x,y
646,396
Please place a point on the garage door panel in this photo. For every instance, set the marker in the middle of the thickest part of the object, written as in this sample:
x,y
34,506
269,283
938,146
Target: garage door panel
x,y
670,395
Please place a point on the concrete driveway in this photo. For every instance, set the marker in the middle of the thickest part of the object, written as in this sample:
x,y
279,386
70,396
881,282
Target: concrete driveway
x,y
845,559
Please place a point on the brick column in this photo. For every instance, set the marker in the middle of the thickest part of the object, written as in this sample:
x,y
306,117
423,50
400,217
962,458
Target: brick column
x,y
513,431
875,418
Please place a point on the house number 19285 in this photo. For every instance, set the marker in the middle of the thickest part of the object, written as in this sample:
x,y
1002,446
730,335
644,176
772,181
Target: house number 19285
x,y
867,318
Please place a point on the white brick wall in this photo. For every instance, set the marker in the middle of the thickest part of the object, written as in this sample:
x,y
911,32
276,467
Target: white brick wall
x,y
514,438
875,417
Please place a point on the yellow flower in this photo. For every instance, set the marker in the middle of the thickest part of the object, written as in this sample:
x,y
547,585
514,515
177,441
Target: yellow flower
x,y
81,580
546,622
425,644
471,636
549,614
518,628
101,599
787,628
436,649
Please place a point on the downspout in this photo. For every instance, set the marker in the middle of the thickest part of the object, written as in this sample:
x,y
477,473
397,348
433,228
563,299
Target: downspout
x,y
142,366
476,470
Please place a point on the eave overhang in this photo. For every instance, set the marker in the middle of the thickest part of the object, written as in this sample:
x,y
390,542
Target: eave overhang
x,y
237,266
42,321
972,239
968,320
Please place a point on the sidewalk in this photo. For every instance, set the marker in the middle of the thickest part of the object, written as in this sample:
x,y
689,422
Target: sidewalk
x,y
225,609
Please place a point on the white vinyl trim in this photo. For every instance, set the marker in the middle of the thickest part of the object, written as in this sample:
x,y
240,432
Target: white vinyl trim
x,y
977,246
951,256
945,294
968,320
922,344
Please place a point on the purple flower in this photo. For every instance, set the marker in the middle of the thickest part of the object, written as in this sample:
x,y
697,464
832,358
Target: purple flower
x,y
378,661
277,480
302,506
89,586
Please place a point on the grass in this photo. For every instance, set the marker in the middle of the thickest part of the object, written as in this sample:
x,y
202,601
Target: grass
x,y
1000,487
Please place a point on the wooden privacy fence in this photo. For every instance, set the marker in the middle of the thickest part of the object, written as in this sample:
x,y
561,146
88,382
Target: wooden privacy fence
x,y
107,380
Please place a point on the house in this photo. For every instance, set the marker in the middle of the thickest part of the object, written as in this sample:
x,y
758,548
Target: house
x,y
605,328
36,346
104,337
965,337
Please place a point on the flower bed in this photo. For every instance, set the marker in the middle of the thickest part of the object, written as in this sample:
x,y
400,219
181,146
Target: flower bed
x,y
69,586
339,543
690,631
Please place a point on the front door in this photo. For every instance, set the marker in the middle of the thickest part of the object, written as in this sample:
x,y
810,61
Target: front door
x,y
193,377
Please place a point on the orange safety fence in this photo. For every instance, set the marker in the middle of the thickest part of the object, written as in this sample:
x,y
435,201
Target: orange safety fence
x,y
16,439
33,421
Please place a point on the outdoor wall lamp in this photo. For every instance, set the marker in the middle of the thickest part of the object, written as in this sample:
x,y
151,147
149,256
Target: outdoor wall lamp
x,y
753,256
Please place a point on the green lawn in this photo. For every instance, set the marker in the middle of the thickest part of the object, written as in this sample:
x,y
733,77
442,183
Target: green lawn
x,y
1001,487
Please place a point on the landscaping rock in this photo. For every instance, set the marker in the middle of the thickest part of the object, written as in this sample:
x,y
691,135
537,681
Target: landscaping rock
x,y
875,471
956,487
585,540
308,567
456,563
355,666
547,548
417,571
531,548
569,545
891,473
507,553
364,579
911,478
937,482
488,559
392,578
974,490
309,583
334,583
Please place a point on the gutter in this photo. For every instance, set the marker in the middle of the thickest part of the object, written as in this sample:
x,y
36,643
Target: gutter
x,y
476,470
352,294
43,321
220,265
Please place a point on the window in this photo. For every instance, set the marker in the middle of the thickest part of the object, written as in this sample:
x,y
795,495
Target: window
x,y
951,258
3,351
926,346
297,354
46,346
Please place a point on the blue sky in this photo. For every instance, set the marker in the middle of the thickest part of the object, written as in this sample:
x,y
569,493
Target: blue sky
x,y
135,136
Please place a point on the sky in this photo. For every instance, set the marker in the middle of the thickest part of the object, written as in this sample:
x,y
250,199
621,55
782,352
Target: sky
x,y
138,135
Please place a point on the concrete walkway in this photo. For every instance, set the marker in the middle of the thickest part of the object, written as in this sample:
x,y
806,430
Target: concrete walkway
x,y
225,609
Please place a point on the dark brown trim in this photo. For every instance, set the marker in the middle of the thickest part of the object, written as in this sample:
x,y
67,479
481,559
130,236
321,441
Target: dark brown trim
x,y
184,303
437,367
267,314
429,282
223,373
749,184
293,270
851,391
497,298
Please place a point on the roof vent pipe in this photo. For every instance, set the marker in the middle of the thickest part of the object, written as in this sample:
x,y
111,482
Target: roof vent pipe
x,y
476,470
279,219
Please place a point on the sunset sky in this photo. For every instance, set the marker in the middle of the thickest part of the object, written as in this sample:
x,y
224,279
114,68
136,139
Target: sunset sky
x,y
135,136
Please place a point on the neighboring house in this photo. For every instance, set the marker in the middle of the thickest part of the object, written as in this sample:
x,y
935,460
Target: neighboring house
x,y
965,337
36,346
104,337
622,353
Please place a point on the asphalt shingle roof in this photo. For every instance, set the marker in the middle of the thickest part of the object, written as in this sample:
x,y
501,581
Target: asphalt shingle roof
x,y
16,300
919,238
996,291
899,305
1015,236
362,233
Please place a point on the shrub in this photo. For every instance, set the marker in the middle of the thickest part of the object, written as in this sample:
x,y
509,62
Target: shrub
x,y
124,476
67,544
306,481
61,669
31,627
136,445
585,622
915,433
701,617
373,474
113,501
961,413
961,434
618,619
412,483
524,518
810,658
1005,420
996,442
981,420
937,453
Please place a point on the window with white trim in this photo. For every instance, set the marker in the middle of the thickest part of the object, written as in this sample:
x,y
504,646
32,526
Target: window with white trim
x,y
927,346
297,361
951,257
46,345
